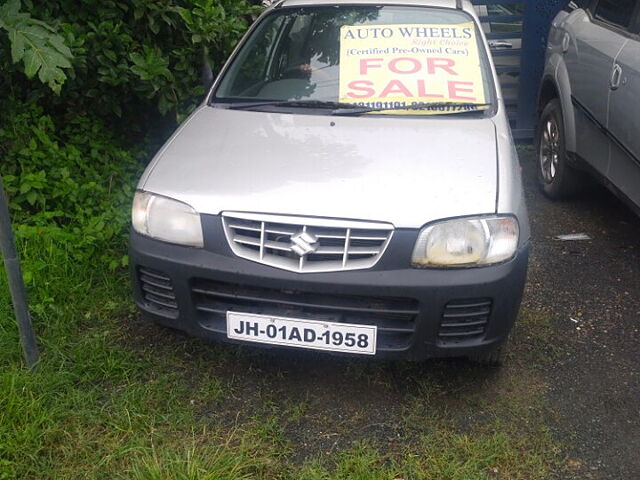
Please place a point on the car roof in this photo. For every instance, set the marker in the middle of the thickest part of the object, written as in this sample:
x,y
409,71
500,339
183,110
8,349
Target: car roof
x,y
466,5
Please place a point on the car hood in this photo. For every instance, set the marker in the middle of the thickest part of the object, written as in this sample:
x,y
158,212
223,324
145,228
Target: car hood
x,y
402,170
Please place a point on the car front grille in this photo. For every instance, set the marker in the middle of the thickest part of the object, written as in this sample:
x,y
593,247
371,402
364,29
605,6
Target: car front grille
x,y
306,245
464,320
157,291
394,317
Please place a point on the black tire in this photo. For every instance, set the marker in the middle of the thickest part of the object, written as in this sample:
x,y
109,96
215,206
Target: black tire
x,y
490,358
556,178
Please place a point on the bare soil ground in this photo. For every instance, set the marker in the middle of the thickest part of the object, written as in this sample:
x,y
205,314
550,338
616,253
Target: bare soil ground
x,y
595,377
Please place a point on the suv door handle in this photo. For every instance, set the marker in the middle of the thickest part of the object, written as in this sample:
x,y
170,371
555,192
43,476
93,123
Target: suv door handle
x,y
616,77
496,44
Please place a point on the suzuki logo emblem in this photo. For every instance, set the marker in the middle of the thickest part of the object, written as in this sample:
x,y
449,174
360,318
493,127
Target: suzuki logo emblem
x,y
304,243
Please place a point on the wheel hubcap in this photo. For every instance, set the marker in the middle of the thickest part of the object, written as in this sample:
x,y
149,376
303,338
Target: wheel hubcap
x,y
550,150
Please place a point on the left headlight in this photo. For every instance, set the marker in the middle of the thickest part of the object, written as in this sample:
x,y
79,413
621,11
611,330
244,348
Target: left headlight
x,y
165,219
467,242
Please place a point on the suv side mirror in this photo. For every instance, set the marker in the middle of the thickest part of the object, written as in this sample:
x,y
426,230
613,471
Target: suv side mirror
x,y
571,6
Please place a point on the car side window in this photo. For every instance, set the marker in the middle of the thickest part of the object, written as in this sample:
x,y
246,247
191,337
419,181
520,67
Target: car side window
x,y
254,69
616,12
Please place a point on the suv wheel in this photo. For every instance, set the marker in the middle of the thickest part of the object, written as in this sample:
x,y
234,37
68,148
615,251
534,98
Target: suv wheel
x,y
556,177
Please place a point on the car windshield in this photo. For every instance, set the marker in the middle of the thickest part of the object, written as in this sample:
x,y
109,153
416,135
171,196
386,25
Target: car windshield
x,y
411,60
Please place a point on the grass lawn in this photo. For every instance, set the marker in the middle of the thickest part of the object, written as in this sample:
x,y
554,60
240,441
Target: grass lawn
x,y
116,397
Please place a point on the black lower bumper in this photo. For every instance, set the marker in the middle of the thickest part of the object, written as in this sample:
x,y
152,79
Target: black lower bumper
x,y
419,313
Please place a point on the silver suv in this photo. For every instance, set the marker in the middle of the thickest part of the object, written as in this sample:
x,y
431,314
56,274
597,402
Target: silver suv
x,y
590,100
349,184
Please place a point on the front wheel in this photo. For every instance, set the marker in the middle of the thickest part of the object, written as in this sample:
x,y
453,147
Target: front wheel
x,y
556,177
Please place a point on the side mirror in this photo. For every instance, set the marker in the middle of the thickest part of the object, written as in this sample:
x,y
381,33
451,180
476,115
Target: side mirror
x,y
571,6
207,73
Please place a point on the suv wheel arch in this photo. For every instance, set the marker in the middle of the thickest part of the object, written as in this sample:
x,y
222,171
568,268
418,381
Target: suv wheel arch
x,y
558,86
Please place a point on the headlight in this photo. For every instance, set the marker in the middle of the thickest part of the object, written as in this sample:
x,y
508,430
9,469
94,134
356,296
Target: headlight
x,y
467,242
166,219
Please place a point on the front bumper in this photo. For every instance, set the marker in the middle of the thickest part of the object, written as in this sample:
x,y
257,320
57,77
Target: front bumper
x,y
420,313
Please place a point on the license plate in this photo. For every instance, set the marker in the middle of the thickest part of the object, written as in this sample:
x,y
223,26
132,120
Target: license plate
x,y
302,333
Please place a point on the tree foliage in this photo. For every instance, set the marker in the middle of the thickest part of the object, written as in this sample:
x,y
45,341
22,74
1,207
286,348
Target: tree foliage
x,y
37,45
86,87
118,58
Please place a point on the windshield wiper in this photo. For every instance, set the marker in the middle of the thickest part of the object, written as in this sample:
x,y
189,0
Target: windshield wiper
x,y
293,103
342,108
435,107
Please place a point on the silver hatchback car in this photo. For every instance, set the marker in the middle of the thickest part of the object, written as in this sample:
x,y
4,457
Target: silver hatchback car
x,y
590,99
349,185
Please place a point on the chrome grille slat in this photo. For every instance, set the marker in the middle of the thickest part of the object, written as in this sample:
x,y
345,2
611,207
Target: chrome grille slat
x,y
279,231
362,251
347,244
262,239
303,258
374,239
306,244
264,244
238,226
247,240
330,251
276,245
336,237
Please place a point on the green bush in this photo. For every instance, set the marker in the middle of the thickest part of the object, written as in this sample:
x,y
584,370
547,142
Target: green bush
x,y
72,181
73,144
130,58
87,88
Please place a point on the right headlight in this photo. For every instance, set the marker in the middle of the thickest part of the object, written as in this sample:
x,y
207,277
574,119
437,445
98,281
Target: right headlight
x,y
467,242
166,219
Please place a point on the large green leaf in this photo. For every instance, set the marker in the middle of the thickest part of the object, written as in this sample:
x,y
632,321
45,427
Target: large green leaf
x,y
37,45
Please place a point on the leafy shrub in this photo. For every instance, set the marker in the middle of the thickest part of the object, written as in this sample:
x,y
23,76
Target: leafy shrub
x,y
131,58
71,154
72,181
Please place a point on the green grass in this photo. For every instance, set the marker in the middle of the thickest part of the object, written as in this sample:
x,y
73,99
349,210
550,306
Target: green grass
x,y
114,398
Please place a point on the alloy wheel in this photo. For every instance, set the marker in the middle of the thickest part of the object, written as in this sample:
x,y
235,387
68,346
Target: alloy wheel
x,y
550,150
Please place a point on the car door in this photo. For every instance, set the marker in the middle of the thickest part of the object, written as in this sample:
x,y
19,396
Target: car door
x,y
624,116
591,45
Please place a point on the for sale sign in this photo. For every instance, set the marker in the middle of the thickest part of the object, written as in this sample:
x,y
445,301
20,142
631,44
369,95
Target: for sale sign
x,y
387,66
